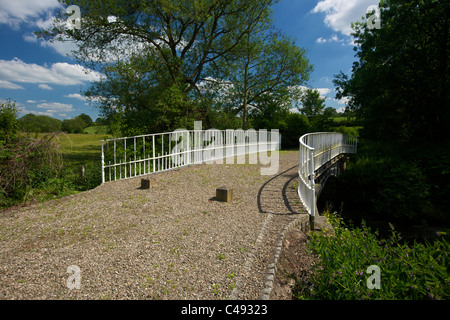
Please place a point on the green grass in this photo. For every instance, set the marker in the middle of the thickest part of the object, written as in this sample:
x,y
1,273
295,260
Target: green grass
x,y
409,270
96,130
342,119
79,149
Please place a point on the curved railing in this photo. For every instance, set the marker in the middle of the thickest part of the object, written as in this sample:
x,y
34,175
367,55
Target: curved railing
x,y
317,149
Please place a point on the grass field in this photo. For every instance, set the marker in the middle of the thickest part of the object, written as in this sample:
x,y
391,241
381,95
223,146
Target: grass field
x,y
97,130
78,149
342,119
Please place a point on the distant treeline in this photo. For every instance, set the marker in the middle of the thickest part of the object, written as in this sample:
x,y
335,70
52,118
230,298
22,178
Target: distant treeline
x,y
291,125
41,123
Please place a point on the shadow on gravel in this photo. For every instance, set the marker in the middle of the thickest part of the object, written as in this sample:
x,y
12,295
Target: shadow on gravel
x,y
265,192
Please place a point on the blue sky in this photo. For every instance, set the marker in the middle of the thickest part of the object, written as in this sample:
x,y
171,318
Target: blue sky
x,y
43,79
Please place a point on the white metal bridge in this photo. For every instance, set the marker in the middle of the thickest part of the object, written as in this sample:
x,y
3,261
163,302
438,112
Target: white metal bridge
x,y
319,155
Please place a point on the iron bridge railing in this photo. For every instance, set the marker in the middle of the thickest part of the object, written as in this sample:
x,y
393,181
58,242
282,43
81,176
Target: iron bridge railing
x,y
317,149
130,157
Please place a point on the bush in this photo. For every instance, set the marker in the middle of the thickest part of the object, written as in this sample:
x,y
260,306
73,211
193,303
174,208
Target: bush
x,y
420,271
390,181
27,164
76,125
387,187
296,126
34,123
8,121
351,131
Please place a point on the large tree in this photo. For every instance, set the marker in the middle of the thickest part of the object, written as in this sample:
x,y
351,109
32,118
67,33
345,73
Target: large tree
x,y
265,68
401,82
180,38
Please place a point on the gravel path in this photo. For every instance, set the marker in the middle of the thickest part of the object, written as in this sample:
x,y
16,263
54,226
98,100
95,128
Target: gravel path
x,y
174,241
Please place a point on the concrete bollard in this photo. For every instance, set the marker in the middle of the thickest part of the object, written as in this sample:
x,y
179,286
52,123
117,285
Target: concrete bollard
x,y
224,194
148,183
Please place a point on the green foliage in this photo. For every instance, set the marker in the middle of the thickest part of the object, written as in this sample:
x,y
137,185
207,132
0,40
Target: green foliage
x,y
408,271
49,166
87,119
26,164
76,125
296,126
312,103
161,86
313,107
400,85
351,131
398,181
98,129
8,121
34,123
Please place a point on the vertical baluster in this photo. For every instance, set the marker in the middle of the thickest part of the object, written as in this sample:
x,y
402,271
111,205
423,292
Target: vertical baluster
x,y
170,150
134,147
153,147
115,162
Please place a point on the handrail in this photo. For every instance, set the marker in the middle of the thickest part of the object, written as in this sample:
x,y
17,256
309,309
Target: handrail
x,y
316,149
130,157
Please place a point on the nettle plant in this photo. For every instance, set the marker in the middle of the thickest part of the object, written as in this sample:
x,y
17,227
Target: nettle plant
x,y
407,271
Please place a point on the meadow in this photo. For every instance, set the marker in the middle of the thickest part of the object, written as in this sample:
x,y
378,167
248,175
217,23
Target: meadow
x,y
70,152
79,149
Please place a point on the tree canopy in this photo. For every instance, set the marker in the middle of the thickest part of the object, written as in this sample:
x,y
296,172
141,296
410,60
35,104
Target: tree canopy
x,y
39,123
157,54
400,84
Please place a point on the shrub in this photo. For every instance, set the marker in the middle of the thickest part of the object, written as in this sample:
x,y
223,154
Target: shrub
x,y
8,121
76,125
296,126
25,164
34,123
420,271
387,185
351,131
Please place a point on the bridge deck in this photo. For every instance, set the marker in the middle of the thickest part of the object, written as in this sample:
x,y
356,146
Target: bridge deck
x,y
171,242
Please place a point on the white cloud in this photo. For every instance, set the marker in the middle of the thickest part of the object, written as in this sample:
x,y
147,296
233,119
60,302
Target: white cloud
x,y
44,86
59,73
9,85
76,96
321,40
339,14
53,107
64,48
30,37
324,91
337,39
342,101
16,12
31,101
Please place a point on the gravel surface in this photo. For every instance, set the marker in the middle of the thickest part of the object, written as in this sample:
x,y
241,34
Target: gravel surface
x,y
174,241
